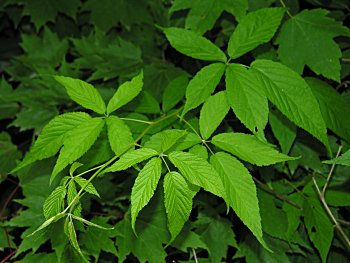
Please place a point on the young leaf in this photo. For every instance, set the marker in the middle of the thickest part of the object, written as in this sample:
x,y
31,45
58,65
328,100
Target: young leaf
x,y
174,92
125,93
52,136
178,202
240,191
254,29
88,187
164,140
131,158
334,108
212,113
193,45
71,194
86,222
246,97
53,204
202,85
83,93
119,135
77,142
297,40
73,238
144,187
292,96
74,167
344,159
198,172
249,148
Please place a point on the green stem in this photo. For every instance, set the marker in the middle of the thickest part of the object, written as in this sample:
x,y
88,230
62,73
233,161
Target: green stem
x,y
103,166
287,8
136,120
194,130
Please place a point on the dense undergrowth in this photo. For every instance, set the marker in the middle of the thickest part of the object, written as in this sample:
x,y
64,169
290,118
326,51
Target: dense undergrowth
x,y
174,131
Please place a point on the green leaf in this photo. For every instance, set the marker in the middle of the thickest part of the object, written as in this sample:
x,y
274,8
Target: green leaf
x,y
42,11
77,142
246,98
88,187
72,235
217,236
319,226
250,149
53,204
119,135
98,236
177,201
240,191
71,194
174,92
334,108
344,159
254,29
74,167
204,13
298,37
193,45
9,155
198,172
83,93
164,140
202,85
152,233
292,96
144,187
52,136
284,131
125,93
131,158
212,113
86,222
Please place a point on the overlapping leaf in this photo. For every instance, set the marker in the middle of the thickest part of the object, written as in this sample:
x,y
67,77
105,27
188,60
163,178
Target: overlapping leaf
x,y
292,96
249,148
307,39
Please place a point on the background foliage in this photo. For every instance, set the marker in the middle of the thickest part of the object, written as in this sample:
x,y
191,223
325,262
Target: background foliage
x,y
187,131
